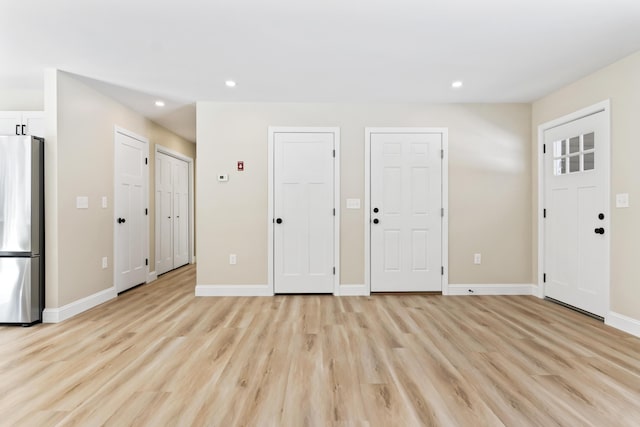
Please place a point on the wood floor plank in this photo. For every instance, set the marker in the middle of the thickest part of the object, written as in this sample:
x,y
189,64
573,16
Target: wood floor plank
x,y
159,356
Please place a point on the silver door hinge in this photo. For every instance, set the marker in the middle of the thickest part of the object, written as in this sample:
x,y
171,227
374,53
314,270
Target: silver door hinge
x,y
442,154
334,153
334,271
334,211
442,212
442,270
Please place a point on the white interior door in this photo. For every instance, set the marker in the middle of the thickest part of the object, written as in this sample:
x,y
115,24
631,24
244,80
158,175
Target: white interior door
x,y
303,200
180,213
577,216
164,213
406,212
131,245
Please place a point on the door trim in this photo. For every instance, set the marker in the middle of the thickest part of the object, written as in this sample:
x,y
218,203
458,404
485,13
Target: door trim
x,y
164,150
145,232
604,106
273,130
445,198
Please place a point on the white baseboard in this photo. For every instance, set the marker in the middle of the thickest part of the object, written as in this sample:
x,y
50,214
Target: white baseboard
x,y
624,323
193,259
56,315
233,291
493,289
352,290
152,276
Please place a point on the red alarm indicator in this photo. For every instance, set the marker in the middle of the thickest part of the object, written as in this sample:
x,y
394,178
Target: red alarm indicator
x,y
240,165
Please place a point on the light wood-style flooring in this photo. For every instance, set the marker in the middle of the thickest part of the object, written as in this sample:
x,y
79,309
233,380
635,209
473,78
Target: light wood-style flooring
x,y
159,356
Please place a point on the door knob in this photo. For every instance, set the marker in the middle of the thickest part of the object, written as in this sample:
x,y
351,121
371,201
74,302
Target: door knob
x,y
376,220
599,230
376,210
121,220
279,220
601,216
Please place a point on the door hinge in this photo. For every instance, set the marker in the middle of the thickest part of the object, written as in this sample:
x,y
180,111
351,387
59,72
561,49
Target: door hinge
x,y
334,271
544,277
442,212
334,153
544,213
544,148
442,270
146,261
146,161
146,211
442,154
334,211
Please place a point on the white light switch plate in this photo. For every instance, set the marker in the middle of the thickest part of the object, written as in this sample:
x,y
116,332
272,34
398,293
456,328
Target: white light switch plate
x,y
622,200
353,203
82,202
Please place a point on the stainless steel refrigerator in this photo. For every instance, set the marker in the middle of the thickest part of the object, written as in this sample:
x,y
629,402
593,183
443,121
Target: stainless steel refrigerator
x,y
21,229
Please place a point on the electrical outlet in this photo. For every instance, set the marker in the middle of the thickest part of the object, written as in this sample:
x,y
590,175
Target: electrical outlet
x,y
233,259
105,262
477,258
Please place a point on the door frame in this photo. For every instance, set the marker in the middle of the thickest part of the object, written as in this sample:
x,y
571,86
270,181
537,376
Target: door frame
x,y
273,130
445,197
172,153
145,232
604,106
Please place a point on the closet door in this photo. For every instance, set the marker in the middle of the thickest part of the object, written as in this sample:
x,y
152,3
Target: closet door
x,y
180,213
164,213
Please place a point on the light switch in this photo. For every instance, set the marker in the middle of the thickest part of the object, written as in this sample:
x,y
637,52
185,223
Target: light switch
x,y
353,203
622,200
82,202
223,177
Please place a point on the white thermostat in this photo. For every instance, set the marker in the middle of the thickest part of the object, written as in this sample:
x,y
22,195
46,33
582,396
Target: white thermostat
x,y
223,177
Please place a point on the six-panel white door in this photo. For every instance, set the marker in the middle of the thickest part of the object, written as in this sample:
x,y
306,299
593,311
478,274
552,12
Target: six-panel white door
x,y
130,258
180,213
577,217
406,218
303,214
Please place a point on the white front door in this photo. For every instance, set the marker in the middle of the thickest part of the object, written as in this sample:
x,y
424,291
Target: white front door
x,y
577,216
406,211
172,212
303,217
130,209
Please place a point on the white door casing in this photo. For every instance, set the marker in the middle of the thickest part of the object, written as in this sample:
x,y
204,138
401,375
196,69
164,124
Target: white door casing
x,y
173,205
304,210
131,244
576,212
406,210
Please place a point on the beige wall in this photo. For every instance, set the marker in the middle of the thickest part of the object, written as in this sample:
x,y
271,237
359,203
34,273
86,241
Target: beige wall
x,y
619,82
80,162
489,185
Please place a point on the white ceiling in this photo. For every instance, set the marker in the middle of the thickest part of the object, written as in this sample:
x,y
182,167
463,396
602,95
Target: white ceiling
x,y
313,50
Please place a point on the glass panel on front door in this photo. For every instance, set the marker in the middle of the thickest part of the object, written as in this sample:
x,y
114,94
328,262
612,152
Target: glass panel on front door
x,y
575,154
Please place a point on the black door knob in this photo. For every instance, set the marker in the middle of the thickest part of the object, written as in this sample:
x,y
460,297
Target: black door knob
x,y
279,220
599,230
376,220
121,220
601,216
376,210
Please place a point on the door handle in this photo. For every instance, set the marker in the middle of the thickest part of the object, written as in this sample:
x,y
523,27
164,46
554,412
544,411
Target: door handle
x,y
599,230
376,220
279,221
376,210
23,130
17,129
121,220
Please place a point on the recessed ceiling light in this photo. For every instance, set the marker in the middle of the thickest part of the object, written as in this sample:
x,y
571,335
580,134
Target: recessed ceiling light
x,y
457,84
230,83
159,103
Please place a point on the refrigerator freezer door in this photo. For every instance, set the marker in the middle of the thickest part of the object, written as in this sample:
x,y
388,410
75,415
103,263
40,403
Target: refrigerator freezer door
x,y
19,195
19,290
